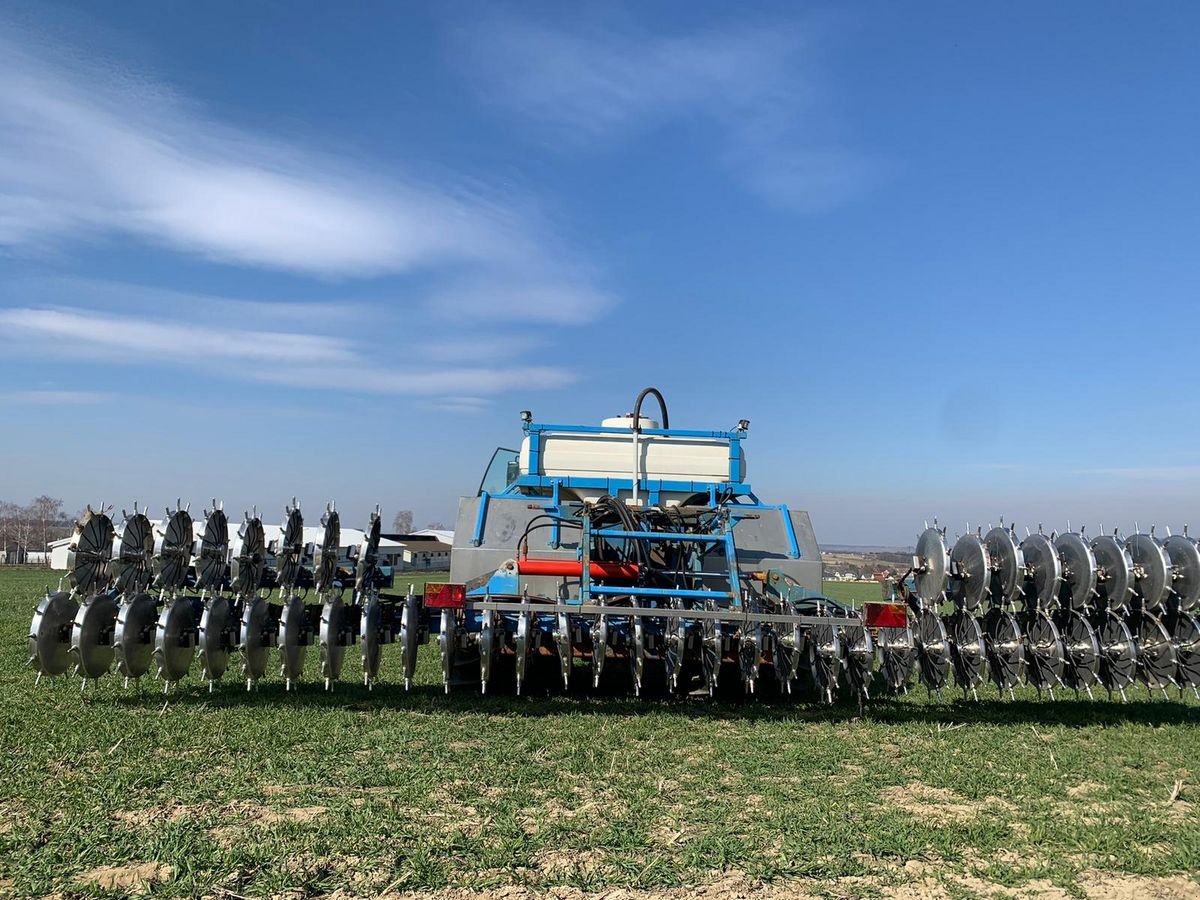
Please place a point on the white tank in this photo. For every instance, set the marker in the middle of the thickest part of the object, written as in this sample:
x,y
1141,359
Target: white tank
x,y
661,458
626,421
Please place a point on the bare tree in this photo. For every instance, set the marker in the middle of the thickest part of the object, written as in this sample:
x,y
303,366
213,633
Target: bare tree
x,y
24,531
47,511
436,526
403,523
7,527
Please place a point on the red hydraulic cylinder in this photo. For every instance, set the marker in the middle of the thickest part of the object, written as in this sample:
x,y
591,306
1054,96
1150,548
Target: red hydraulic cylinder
x,y
567,568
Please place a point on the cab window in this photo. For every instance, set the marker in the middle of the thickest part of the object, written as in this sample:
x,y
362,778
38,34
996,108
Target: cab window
x,y
501,471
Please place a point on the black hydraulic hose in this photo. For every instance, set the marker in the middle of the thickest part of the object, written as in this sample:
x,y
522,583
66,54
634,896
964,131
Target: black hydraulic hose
x,y
662,405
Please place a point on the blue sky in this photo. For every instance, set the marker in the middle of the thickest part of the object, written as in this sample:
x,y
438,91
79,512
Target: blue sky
x,y
942,255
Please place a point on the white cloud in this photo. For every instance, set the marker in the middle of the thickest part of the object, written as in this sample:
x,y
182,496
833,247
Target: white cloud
x,y
86,151
286,358
146,339
550,303
596,83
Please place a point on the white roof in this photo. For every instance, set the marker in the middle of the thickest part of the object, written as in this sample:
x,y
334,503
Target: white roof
x,y
442,534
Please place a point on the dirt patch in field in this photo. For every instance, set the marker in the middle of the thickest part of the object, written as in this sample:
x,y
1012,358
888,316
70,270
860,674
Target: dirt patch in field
x,y
155,815
1109,886
915,880
929,804
249,814
1085,789
135,877
568,862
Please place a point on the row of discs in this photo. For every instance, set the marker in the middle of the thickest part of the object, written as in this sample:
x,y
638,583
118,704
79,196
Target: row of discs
x,y
154,596
1101,611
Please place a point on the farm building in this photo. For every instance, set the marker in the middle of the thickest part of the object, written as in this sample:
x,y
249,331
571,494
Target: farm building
x,y
425,550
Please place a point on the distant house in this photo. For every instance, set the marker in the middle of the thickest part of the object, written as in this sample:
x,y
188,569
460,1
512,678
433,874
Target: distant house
x,y
424,550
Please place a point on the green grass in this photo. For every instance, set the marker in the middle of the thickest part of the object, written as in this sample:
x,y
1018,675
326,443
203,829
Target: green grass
x,y
258,794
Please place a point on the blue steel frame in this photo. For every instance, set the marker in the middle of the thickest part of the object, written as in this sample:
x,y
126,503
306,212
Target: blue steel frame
x,y
734,493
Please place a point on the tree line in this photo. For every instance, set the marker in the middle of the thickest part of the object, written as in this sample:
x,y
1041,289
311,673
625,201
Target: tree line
x,y
31,527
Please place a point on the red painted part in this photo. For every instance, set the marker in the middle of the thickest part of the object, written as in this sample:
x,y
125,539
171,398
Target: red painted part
x,y
574,568
445,596
885,615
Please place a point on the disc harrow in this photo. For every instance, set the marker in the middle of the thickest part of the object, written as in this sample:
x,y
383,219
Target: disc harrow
x,y
671,578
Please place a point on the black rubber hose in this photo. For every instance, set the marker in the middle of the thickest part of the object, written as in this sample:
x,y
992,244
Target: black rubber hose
x,y
662,405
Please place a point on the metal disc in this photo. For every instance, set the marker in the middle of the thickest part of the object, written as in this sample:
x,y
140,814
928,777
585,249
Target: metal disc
x,y
1081,650
369,628
1118,653
447,641
254,642
972,569
213,558
173,552
175,639
92,635
1008,564
562,643
599,648
290,554
50,633
368,554
1043,570
710,653
637,654
249,558
897,656
1043,649
1153,580
1155,652
333,639
1114,568
933,563
675,645
487,648
1185,562
823,650
325,558
783,656
750,653
933,650
410,636
133,638
858,658
133,555
293,623
1185,635
90,552
1078,569
214,638
1005,648
967,651
521,648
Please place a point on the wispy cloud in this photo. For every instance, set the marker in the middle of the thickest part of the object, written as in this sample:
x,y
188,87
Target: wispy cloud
x,y
599,83
551,303
54,398
285,358
144,339
88,151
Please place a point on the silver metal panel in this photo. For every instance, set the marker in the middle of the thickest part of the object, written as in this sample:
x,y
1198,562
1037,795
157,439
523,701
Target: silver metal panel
x,y
506,521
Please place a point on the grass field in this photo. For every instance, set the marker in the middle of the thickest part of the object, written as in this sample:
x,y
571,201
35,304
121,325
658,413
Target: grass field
x,y
361,794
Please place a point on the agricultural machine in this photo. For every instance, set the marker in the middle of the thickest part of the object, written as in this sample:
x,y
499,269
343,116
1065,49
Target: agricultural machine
x,y
630,555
